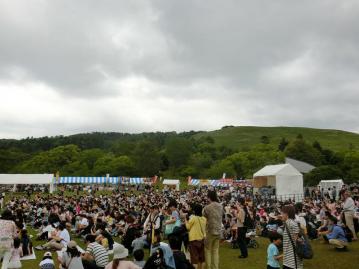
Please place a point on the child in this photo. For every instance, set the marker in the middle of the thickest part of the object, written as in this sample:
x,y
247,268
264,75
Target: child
x,y
47,262
273,252
139,258
26,243
16,253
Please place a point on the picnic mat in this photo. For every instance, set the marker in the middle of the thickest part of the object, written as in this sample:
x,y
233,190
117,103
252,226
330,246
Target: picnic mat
x,y
29,257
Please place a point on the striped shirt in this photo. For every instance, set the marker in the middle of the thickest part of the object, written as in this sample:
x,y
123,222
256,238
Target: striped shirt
x,y
288,252
99,253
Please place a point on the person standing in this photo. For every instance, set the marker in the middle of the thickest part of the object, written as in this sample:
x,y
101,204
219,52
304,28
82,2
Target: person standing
x,y
334,193
242,228
213,212
349,211
7,235
196,233
290,235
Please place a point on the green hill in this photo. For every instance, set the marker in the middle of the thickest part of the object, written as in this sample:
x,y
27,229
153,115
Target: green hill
x,y
246,136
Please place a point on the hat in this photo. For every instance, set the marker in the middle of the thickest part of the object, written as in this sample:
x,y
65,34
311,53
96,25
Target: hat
x,y
120,252
72,244
48,254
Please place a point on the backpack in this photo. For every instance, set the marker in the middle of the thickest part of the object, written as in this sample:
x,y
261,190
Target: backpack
x,y
302,245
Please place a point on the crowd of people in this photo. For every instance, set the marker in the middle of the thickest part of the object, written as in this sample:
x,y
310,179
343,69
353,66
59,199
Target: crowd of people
x,y
178,229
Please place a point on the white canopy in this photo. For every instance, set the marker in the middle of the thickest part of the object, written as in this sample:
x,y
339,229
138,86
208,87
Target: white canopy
x,y
175,182
287,180
27,179
329,184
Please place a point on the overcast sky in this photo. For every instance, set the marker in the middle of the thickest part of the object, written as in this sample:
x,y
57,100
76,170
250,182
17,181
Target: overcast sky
x,y
131,66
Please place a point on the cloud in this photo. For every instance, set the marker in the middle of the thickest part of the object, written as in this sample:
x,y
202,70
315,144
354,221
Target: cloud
x,y
135,66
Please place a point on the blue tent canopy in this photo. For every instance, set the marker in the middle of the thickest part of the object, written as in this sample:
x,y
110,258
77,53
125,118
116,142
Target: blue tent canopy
x,y
88,180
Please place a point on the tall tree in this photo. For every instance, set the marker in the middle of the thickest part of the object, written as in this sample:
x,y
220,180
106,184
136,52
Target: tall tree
x,y
300,150
283,143
178,151
147,158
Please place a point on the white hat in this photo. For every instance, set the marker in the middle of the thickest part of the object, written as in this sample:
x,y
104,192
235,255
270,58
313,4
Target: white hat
x,y
48,254
120,252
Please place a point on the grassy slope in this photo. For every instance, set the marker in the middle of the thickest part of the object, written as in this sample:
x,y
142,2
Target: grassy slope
x,y
246,136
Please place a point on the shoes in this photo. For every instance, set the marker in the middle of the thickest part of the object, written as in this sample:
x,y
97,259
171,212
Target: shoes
x,y
39,248
242,257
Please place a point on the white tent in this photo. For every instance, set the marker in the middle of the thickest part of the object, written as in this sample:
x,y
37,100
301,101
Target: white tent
x,y
326,184
27,179
172,182
287,180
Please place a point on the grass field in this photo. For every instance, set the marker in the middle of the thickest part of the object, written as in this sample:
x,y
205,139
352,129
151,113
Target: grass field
x,y
243,137
325,257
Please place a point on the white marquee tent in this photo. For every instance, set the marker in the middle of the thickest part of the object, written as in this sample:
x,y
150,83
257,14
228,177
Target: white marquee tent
x,y
329,184
172,182
28,179
287,180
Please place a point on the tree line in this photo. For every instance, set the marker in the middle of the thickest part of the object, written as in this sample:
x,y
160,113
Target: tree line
x,y
168,155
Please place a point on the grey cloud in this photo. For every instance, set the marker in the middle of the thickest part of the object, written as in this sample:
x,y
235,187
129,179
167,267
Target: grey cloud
x,y
261,62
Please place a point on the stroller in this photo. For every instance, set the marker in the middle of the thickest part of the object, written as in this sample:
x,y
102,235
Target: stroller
x,y
250,239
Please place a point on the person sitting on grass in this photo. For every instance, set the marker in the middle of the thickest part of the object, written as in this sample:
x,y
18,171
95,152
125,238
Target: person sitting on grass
x,y
71,258
139,242
47,262
119,255
273,256
26,243
337,236
45,230
139,256
104,237
180,259
165,250
95,256
59,241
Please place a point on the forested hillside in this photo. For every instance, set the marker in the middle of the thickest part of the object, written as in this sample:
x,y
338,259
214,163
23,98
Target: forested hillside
x,y
237,151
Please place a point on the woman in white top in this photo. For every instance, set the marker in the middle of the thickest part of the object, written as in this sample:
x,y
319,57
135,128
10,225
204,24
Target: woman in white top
x,y
71,258
119,254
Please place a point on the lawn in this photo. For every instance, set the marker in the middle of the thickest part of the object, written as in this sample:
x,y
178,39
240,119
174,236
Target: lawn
x,y
324,256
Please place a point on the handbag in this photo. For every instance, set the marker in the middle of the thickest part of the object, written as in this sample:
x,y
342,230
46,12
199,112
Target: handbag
x,y
301,246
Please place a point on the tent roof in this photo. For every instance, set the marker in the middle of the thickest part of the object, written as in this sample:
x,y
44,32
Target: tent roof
x,y
302,167
279,169
26,178
171,181
332,181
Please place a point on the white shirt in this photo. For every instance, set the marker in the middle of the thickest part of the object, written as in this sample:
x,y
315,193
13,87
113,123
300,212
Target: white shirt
x,y
64,234
349,205
301,220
